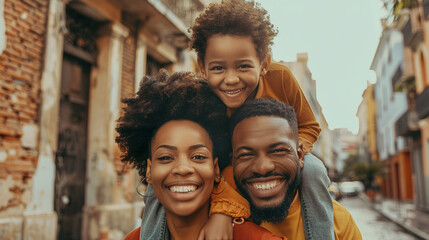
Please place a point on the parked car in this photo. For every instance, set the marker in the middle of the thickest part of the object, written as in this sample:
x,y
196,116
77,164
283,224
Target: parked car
x,y
351,188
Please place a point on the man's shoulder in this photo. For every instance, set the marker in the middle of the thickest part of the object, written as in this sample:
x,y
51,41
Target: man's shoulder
x,y
345,226
340,209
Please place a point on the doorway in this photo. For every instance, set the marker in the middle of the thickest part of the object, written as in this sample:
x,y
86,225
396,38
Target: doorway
x,y
72,147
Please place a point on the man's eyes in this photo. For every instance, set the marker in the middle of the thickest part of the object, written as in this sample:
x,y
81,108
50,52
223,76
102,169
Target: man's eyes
x,y
281,151
243,155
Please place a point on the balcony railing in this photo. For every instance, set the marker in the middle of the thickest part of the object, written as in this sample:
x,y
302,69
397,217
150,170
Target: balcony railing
x,y
422,104
184,9
407,124
413,31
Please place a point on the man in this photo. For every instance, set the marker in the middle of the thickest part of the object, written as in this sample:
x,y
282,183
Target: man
x,y
267,164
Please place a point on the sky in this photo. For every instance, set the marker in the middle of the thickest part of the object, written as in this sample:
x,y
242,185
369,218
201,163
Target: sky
x,y
340,37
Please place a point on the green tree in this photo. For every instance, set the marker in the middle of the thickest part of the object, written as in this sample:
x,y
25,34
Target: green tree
x,y
366,172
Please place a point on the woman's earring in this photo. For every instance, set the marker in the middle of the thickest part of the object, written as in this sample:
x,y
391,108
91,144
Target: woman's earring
x,y
224,187
140,186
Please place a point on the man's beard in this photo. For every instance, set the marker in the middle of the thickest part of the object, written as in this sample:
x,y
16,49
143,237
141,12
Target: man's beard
x,y
274,214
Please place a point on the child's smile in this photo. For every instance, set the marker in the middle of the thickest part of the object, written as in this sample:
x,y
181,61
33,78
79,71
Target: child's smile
x,y
232,68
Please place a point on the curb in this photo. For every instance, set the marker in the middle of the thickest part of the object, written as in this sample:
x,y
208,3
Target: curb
x,y
407,227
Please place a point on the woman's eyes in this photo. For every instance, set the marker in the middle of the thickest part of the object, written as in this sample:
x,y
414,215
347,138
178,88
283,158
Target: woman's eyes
x,y
164,158
198,157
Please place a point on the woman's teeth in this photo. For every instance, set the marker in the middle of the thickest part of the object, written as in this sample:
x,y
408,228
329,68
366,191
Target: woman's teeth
x,y
183,189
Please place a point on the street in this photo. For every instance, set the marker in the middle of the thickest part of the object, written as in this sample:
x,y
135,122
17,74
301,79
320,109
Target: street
x,y
371,224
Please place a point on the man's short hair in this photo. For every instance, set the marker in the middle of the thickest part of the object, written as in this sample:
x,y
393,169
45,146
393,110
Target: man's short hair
x,y
265,107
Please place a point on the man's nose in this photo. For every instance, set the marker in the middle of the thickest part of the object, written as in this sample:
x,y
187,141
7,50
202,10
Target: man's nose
x,y
263,165
231,77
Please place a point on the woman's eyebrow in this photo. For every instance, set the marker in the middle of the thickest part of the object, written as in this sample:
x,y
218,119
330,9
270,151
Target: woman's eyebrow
x,y
198,146
167,146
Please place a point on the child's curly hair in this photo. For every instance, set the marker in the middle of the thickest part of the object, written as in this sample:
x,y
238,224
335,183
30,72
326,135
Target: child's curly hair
x,y
181,96
234,17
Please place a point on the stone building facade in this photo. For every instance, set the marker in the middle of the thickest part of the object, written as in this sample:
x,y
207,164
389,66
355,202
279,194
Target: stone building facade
x,y
322,148
64,68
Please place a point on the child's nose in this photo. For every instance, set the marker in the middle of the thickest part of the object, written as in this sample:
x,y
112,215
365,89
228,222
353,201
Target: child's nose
x,y
231,78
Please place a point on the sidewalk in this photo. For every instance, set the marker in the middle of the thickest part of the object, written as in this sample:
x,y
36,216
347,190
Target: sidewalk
x,y
402,213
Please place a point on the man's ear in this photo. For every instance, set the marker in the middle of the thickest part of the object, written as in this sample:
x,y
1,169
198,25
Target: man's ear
x,y
300,152
201,67
216,170
148,176
265,65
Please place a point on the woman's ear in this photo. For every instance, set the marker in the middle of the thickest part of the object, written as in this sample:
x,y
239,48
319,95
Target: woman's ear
x,y
265,65
201,67
148,176
216,170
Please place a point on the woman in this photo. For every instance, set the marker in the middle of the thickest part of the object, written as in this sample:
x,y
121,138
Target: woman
x,y
175,132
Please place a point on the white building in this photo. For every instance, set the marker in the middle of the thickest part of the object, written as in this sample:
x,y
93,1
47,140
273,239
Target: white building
x,y
388,59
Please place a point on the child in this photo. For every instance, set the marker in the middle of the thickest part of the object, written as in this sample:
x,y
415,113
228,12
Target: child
x,y
232,40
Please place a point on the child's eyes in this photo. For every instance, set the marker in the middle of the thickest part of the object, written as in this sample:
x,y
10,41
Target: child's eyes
x,y
241,66
217,68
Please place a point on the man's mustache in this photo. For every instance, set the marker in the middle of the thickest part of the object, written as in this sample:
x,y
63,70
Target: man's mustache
x,y
286,176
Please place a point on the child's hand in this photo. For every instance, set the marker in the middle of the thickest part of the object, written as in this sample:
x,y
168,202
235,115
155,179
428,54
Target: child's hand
x,y
218,227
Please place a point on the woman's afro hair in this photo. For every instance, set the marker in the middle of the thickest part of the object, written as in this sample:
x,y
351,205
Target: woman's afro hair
x,y
181,96
234,17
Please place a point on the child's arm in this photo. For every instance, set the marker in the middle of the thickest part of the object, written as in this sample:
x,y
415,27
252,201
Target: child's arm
x,y
279,83
226,204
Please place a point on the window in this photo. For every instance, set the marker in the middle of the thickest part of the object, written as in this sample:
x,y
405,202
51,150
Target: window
x,y
153,66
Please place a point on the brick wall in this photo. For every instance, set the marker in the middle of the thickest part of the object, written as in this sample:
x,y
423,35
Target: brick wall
x,y
20,73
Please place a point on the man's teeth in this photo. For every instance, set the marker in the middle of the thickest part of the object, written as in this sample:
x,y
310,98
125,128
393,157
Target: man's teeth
x,y
233,92
265,185
183,189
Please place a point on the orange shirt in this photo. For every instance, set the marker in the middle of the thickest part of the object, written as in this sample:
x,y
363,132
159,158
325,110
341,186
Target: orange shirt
x,y
293,227
245,231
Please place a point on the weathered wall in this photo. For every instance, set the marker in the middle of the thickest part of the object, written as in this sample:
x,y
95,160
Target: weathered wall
x,y
20,74
2,28
21,67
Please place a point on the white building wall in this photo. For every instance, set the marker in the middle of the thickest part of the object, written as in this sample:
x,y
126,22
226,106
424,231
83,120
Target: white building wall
x,y
390,105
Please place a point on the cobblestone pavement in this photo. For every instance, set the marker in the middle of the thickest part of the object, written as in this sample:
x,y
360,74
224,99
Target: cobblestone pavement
x,y
371,224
